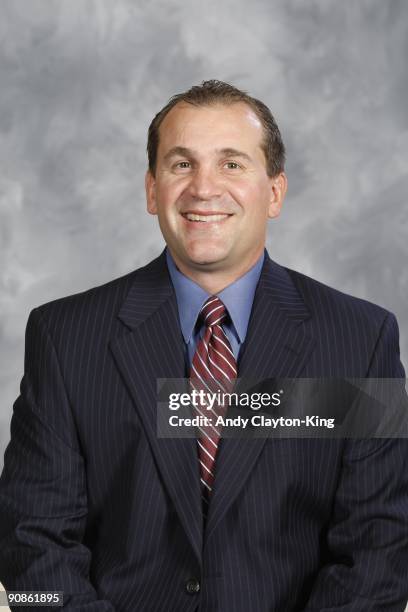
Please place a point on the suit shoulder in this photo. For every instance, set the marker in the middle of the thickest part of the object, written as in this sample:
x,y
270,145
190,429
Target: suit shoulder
x,y
88,297
96,304
325,300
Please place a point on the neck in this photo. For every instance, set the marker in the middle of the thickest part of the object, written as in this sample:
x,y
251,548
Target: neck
x,y
214,280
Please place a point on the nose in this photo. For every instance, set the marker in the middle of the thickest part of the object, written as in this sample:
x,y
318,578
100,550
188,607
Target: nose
x,y
205,184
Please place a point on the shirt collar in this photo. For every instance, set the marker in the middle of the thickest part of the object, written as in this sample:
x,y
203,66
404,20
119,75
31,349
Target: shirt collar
x,y
237,298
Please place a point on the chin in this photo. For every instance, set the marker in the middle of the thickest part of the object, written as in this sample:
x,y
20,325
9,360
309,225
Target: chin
x,y
205,255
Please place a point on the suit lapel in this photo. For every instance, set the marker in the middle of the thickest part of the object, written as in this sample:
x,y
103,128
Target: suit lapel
x,y
277,345
154,349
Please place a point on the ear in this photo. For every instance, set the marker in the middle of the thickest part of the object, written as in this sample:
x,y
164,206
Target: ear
x,y
279,185
150,186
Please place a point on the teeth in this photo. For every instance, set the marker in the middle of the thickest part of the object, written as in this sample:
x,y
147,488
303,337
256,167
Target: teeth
x,y
205,218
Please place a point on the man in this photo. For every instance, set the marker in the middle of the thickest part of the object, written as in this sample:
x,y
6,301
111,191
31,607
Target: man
x,y
95,504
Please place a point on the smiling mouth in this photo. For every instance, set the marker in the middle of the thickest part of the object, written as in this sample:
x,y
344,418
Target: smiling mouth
x,y
207,218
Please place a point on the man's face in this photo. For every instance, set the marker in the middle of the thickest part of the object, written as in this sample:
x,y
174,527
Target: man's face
x,y
211,190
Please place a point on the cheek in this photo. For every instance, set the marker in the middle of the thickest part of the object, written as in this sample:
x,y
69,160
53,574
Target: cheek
x,y
249,186
254,201
169,193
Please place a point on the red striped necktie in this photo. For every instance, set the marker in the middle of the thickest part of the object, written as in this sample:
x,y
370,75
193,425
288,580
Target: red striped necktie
x,y
213,370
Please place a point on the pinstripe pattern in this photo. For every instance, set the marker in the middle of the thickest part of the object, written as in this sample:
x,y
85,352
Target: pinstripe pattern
x,y
94,504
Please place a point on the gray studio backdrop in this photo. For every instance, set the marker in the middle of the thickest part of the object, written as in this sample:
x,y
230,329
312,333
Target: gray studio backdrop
x,y
80,81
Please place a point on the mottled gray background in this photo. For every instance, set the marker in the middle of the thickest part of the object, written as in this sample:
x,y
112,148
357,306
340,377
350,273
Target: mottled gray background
x,y
80,81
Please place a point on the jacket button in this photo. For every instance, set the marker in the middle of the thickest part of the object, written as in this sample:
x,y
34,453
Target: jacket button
x,y
192,586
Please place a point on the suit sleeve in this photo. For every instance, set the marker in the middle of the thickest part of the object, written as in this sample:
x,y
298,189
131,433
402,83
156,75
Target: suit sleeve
x,y
367,539
43,499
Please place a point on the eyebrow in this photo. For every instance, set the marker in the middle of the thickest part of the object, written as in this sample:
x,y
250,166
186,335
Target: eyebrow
x,y
183,151
186,152
228,152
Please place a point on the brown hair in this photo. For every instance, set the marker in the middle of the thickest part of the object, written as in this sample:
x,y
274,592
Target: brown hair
x,y
213,92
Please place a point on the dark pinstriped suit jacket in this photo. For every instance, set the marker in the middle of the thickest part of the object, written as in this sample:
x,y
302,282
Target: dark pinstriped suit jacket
x,y
94,504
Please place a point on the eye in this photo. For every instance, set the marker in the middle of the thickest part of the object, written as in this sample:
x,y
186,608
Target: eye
x,y
231,165
182,165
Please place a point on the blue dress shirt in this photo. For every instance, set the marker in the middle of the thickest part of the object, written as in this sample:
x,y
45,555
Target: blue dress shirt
x,y
237,298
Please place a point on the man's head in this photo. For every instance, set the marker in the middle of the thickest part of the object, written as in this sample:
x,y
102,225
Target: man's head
x,y
216,161
216,92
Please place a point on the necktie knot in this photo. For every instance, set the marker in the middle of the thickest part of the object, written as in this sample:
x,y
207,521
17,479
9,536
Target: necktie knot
x,y
213,312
